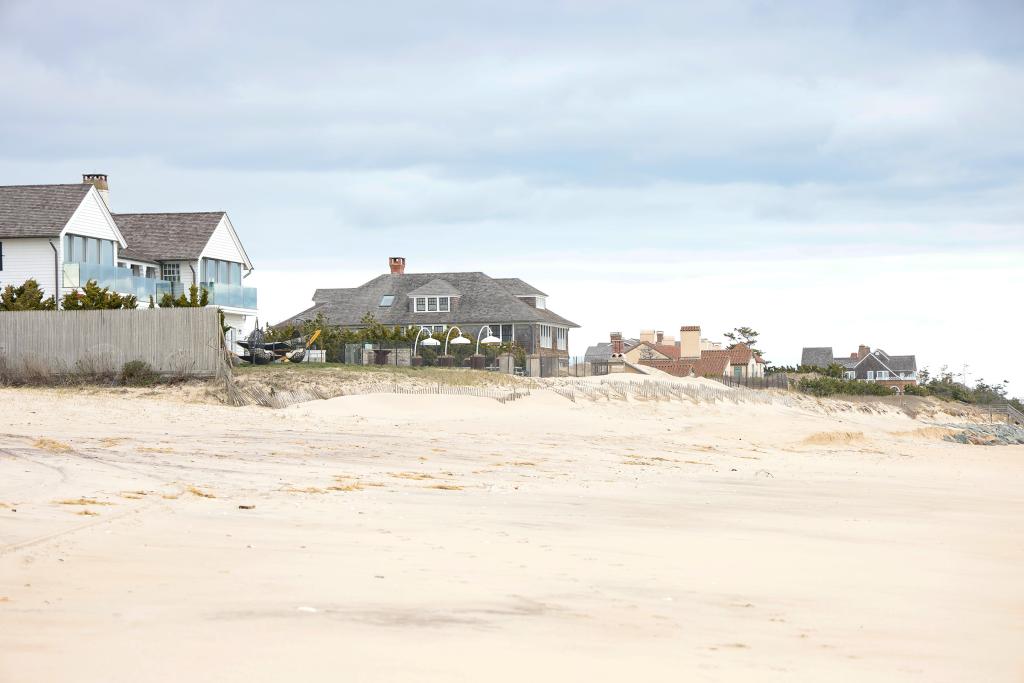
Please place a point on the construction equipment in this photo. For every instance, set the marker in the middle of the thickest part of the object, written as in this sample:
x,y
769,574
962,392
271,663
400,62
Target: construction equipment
x,y
299,355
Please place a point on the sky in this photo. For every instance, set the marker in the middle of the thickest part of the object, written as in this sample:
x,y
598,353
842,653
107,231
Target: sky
x,y
828,173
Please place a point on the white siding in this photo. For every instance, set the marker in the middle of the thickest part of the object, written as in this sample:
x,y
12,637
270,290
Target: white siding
x,y
185,269
28,258
221,246
91,220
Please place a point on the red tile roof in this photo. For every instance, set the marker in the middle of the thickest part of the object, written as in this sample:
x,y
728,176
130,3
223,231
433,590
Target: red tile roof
x,y
714,362
740,354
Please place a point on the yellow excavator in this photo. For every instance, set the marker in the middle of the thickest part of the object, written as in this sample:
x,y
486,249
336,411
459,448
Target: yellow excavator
x,y
299,355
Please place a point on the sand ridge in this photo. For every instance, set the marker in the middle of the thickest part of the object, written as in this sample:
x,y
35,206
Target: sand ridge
x,y
455,538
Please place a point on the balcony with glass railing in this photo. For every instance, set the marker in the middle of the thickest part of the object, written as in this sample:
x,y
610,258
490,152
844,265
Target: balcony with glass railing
x,y
123,281
120,280
231,296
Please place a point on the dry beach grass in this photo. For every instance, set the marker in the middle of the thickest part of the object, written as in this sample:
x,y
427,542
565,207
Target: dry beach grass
x,y
416,537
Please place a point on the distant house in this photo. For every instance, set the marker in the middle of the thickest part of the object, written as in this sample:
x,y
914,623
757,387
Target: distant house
x,y
690,355
65,235
866,365
514,310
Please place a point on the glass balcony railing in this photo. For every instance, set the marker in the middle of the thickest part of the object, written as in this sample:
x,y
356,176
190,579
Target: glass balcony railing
x,y
231,296
120,280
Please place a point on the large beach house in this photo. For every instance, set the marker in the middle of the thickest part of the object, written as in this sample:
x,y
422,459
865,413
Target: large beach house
x,y
514,310
65,235
866,365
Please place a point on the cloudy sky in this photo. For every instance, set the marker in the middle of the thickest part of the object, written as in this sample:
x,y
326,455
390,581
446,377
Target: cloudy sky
x,y
830,173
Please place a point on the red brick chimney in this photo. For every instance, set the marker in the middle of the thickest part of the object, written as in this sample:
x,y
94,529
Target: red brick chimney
x,y
863,351
397,264
616,344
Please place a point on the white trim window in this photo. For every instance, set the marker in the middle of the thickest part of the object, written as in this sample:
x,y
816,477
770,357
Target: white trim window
x,y
850,374
432,304
562,338
506,331
545,336
871,375
882,374
170,272
432,329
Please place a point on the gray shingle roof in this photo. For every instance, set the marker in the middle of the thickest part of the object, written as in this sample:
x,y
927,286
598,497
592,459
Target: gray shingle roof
x,y
436,287
818,356
38,210
519,287
482,300
598,352
898,363
166,236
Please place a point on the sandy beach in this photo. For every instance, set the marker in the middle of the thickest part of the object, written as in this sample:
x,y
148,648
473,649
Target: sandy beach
x,y
453,538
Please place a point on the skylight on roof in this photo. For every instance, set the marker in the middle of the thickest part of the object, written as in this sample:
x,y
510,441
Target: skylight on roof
x,y
387,300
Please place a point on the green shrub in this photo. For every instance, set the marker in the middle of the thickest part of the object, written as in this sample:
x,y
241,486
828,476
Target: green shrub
x,y
916,390
138,373
830,386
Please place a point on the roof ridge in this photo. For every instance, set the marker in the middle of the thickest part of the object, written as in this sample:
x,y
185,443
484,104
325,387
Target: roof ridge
x,y
168,213
47,185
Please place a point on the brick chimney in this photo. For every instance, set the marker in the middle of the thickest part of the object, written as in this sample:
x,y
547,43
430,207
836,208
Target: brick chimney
x,y
397,264
659,337
863,351
617,346
99,181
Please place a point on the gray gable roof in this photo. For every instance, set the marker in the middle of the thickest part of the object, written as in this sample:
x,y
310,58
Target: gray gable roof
x,y
38,210
166,236
894,363
817,356
598,352
903,363
482,300
519,287
436,287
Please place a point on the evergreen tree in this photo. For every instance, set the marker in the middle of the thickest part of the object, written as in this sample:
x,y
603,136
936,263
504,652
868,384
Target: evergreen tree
x,y
27,297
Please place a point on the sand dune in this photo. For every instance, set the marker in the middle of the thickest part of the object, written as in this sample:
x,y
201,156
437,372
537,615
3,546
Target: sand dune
x,y
453,538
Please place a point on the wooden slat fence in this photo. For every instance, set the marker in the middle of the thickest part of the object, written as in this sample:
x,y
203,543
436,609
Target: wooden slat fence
x,y
182,342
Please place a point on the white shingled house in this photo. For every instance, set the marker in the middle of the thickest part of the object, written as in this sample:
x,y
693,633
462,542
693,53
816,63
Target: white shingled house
x,y
65,235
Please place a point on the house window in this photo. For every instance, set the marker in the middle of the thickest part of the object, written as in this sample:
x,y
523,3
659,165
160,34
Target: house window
x,y
432,329
562,338
78,249
505,332
871,374
170,272
545,336
882,374
850,374
433,304
387,300
215,271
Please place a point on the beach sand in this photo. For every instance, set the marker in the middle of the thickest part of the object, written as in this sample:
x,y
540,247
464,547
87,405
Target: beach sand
x,y
450,538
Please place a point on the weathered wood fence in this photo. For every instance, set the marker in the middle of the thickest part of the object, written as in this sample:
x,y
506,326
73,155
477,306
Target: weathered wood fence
x,y
184,342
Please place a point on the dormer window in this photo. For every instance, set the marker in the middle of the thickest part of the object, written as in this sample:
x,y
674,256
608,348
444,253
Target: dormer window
x,y
387,300
433,304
